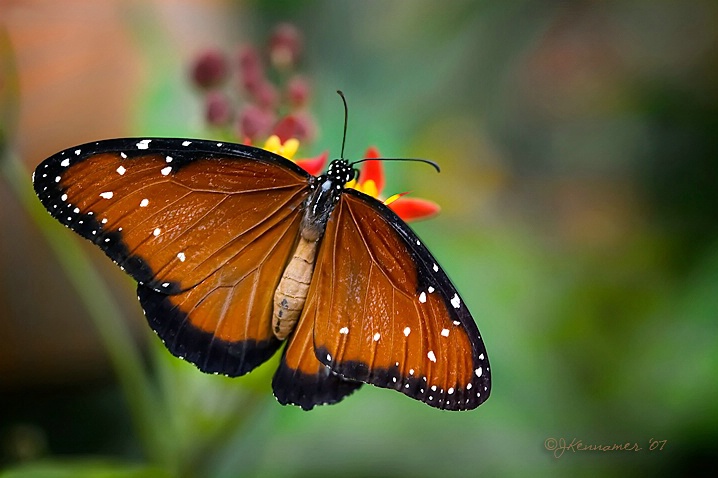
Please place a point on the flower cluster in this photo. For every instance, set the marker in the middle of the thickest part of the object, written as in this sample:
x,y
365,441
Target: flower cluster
x,y
276,114
240,98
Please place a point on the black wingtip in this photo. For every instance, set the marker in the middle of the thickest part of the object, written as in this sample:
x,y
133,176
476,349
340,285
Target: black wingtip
x,y
293,387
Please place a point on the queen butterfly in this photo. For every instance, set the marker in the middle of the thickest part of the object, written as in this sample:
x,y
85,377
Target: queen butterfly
x,y
236,249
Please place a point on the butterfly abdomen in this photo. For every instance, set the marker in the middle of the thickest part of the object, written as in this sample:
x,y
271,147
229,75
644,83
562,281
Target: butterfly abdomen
x,y
292,290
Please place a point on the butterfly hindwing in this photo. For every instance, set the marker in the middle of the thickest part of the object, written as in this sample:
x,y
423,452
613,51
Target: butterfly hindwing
x,y
385,313
223,324
303,380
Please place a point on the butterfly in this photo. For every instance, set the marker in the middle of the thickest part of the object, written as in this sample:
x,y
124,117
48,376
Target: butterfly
x,y
237,250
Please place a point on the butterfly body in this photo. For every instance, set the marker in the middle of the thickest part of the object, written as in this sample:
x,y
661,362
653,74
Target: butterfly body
x,y
292,290
237,250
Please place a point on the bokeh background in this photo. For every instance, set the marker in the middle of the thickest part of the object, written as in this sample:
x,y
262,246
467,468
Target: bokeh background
x,y
579,190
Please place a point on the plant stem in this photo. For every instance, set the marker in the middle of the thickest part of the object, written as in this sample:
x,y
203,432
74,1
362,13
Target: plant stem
x,y
142,399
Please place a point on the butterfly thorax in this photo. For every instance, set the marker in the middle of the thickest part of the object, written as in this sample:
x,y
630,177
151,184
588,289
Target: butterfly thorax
x,y
325,192
291,293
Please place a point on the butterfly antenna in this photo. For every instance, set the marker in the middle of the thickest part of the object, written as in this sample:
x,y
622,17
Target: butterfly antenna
x,y
416,160
346,120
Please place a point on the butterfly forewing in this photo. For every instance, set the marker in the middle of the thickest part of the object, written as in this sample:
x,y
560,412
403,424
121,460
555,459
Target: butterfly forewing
x,y
385,313
169,214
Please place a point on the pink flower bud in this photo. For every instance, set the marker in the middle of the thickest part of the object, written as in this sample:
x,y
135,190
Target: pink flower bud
x,y
209,69
218,109
298,91
266,95
250,69
255,123
295,125
285,46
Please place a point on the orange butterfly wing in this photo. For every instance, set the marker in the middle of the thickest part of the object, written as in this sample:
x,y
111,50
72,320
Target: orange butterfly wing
x,y
205,230
384,312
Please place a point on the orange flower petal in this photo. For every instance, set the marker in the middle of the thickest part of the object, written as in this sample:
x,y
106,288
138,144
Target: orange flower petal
x,y
315,165
373,169
412,209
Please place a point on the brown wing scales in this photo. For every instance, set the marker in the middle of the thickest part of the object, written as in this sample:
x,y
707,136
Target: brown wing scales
x,y
186,223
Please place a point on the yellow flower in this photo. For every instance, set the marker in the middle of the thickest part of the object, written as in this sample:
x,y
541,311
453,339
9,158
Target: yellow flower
x,y
287,149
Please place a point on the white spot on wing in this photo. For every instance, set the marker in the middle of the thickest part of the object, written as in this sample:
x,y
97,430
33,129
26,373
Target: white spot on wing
x,y
445,332
431,356
124,156
65,162
144,144
478,372
107,195
431,290
422,297
329,357
77,152
407,331
344,330
377,336
156,232
455,301
181,256
166,171
63,197
169,158
436,268
186,143
144,202
121,170
481,357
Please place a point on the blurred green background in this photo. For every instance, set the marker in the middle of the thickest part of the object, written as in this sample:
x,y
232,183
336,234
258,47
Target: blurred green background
x,y
579,190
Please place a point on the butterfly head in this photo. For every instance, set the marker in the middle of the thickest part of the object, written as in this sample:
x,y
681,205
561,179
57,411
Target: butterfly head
x,y
340,172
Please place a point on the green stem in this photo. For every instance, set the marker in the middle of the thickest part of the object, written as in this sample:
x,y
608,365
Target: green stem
x,y
92,290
